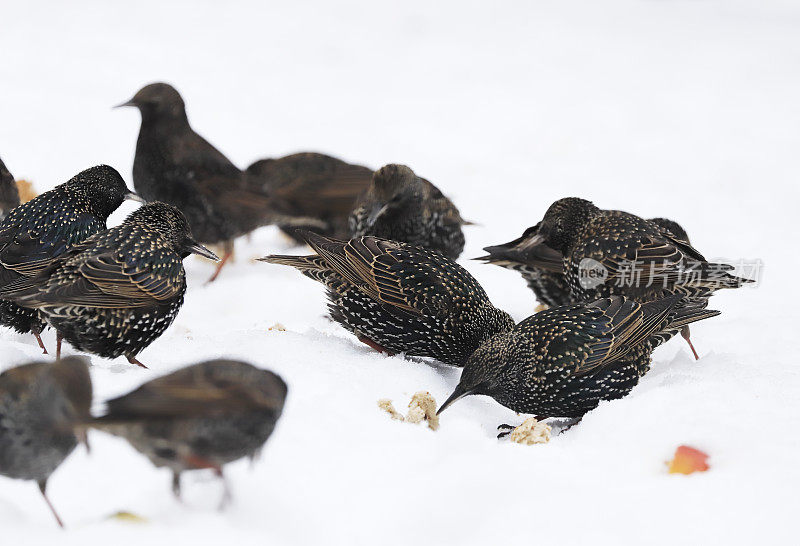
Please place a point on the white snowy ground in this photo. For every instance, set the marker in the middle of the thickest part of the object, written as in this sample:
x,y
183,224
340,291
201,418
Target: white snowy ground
x,y
685,109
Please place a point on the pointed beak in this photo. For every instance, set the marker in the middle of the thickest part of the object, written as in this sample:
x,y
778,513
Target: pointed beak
x,y
376,212
128,103
135,197
196,248
458,394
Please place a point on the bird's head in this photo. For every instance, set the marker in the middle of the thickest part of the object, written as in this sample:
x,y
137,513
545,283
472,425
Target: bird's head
x,y
172,225
392,186
158,101
562,221
484,370
104,188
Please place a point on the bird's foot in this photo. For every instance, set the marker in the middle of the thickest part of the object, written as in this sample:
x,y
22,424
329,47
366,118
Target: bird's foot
x,y
40,342
132,360
508,429
379,348
685,335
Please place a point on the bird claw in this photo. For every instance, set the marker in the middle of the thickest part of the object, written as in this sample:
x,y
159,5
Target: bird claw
x,y
506,430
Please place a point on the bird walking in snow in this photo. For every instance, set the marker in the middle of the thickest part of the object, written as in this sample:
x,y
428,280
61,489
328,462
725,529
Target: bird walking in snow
x,y
200,417
116,292
41,407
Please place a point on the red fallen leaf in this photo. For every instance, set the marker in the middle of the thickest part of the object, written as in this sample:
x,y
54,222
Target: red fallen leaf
x,y
687,460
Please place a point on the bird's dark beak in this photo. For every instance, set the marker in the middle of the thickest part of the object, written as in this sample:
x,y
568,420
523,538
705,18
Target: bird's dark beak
x,y
458,394
377,210
135,197
128,103
194,247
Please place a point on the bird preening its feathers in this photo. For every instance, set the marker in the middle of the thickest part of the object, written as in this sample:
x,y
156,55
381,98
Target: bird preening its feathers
x,y
401,206
638,258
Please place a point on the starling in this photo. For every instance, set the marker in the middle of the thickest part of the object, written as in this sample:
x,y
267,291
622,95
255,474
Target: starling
x,y
117,291
34,233
398,298
40,406
9,194
176,165
550,287
611,252
313,185
563,361
401,206
202,416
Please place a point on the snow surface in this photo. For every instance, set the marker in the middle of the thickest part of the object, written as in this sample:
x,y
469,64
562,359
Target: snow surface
x,y
684,109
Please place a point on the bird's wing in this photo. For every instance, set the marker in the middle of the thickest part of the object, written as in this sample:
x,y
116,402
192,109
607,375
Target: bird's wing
x,y
190,392
27,252
369,264
102,280
598,334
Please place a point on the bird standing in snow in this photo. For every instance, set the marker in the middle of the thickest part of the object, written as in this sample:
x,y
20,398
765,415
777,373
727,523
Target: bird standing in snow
x,y
176,165
579,252
41,404
119,290
200,417
399,298
563,361
35,233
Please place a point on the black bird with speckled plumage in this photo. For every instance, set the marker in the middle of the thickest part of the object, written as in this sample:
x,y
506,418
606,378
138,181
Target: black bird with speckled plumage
x,y
401,298
642,260
116,292
401,206
9,193
550,287
41,404
563,361
202,416
36,232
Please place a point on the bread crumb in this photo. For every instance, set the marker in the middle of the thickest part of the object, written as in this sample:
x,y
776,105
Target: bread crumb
x,y
541,307
278,326
26,190
386,405
531,432
421,408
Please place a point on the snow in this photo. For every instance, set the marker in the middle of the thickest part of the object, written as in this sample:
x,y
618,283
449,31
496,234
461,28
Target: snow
x,y
684,109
